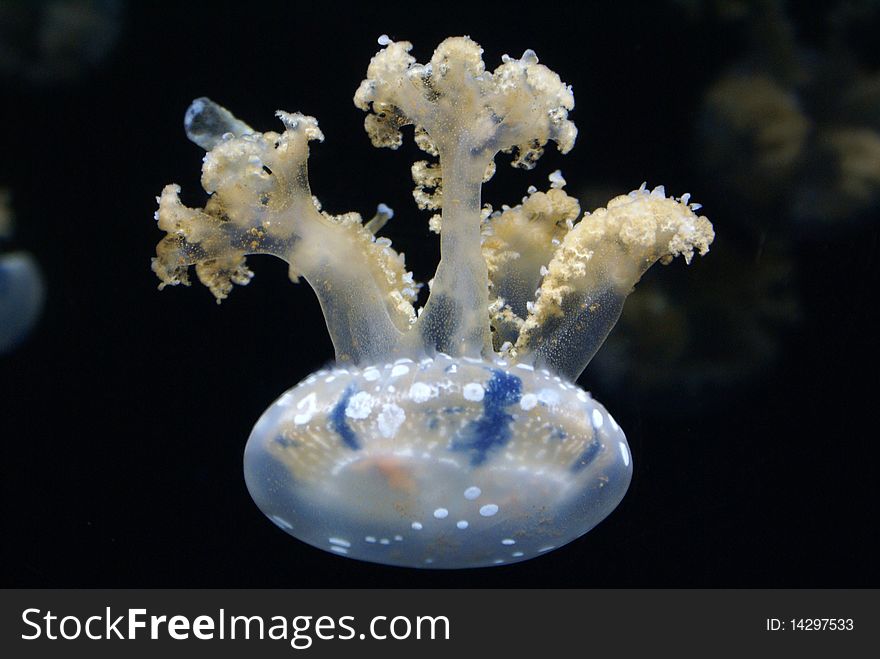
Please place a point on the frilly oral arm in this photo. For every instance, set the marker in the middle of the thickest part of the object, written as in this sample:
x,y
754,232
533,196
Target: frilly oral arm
x,y
261,203
518,243
466,115
595,268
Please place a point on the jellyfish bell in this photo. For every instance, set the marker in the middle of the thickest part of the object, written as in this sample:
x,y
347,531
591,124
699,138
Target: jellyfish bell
x,y
443,462
450,436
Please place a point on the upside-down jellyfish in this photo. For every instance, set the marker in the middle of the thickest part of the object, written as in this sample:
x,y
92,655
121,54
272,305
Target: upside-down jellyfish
x,y
452,436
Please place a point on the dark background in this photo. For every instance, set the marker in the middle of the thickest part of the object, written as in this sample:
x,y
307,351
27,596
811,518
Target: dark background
x,y
124,415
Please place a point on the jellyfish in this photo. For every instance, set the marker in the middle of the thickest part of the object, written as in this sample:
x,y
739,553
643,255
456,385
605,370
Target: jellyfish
x,y
22,291
452,436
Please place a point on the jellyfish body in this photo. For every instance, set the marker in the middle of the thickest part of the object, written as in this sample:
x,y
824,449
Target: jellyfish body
x,y
443,463
449,436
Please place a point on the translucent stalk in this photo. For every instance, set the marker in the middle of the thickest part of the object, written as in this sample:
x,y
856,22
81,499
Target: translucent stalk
x,y
596,267
455,320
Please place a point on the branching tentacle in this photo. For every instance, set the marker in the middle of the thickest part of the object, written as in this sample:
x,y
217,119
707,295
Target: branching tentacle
x,y
261,203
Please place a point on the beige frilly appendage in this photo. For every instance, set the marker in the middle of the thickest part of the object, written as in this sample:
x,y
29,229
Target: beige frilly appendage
x,y
532,282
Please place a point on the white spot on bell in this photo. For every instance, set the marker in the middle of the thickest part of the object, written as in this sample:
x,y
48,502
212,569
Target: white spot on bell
x,y
360,405
390,419
547,396
419,392
473,391
528,402
307,407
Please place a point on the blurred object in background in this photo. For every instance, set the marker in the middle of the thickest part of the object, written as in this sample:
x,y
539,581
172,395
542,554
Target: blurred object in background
x,y
673,356
22,291
791,132
46,42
